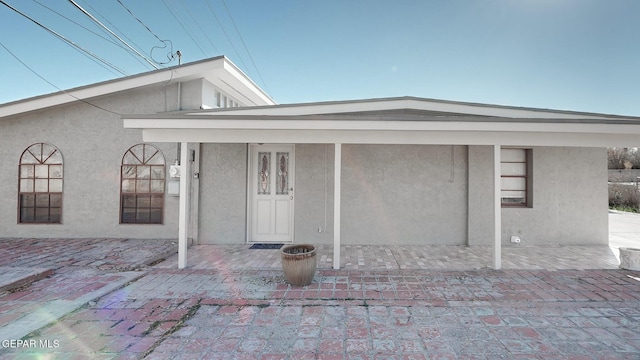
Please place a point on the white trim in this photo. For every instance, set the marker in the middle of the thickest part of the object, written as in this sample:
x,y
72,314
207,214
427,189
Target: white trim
x,y
336,204
381,125
497,210
395,137
183,217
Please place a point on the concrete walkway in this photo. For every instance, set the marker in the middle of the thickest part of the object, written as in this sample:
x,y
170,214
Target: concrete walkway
x,y
102,300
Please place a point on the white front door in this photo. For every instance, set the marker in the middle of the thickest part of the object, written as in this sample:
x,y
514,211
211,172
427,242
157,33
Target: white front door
x,y
270,187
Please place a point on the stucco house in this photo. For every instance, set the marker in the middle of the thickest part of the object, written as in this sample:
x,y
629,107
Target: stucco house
x,y
200,153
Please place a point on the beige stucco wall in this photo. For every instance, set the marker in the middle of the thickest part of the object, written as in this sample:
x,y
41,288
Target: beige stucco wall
x,y
223,194
92,142
404,194
314,194
570,200
480,226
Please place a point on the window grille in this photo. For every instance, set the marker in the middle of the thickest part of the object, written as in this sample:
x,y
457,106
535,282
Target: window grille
x,y
142,185
40,185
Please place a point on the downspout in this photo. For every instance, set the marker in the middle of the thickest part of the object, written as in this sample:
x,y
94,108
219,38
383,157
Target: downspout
x,y
179,95
179,103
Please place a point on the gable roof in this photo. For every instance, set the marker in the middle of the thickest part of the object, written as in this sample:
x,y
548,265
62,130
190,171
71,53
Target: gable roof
x,y
218,70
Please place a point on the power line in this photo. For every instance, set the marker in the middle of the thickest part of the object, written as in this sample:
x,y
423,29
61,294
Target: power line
x,y
80,25
112,33
226,35
122,33
50,83
183,27
198,24
171,56
69,42
89,30
245,45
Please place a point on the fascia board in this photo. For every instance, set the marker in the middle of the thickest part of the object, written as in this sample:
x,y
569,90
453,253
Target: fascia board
x,y
391,137
372,105
83,93
237,78
354,125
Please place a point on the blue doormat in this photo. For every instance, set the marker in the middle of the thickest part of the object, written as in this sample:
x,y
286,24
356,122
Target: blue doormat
x,y
266,246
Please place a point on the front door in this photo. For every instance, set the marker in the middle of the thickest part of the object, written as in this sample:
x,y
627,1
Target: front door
x,y
270,187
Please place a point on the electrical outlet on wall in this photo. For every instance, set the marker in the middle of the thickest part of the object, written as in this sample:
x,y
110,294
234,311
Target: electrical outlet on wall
x,y
515,239
320,229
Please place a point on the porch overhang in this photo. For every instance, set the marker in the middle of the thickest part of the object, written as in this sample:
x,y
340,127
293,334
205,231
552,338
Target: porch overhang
x,y
406,121
455,131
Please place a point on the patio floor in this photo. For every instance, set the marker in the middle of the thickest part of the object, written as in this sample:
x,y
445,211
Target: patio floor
x,y
367,257
623,232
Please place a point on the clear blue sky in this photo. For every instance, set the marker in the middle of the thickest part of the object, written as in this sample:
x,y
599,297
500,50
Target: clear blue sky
x,y
581,55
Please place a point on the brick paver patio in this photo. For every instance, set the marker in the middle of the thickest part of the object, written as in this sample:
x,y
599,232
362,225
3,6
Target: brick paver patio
x,y
103,301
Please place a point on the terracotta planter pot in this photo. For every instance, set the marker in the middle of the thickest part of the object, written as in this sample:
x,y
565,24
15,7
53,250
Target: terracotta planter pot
x,y
299,263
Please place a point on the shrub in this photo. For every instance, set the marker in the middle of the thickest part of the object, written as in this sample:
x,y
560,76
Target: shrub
x,y
624,196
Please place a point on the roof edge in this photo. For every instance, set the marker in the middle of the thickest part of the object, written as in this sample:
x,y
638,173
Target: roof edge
x,y
167,75
410,102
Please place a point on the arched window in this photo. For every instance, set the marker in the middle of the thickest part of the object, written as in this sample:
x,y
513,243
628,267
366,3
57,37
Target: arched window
x,y
40,185
142,178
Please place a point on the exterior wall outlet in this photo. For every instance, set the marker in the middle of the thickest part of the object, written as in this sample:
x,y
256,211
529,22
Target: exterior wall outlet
x,y
320,229
515,239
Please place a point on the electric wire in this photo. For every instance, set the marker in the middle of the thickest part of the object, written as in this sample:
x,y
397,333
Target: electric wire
x,y
112,33
171,56
52,84
226,35
183,27
95,57
78,24
124,35
91,31
198,25
245,45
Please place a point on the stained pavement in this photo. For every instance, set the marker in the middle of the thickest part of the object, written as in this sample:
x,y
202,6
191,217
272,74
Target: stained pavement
x,y
126,309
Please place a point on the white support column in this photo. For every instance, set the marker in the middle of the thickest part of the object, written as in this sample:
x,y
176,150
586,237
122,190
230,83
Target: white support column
x,y
336,205
497,210
183,216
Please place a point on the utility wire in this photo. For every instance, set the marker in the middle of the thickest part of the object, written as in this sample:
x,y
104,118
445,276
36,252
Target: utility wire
x,y
226,35
245,45
140,21
69,42
198,25
183,27
91,31
50,83
122,33
112,33
171,56
80,25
